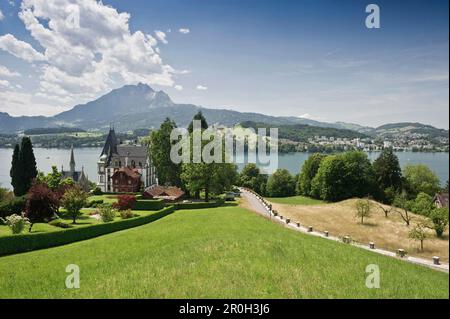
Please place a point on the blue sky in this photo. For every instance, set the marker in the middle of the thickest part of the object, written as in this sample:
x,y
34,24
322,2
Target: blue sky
x,y
313,59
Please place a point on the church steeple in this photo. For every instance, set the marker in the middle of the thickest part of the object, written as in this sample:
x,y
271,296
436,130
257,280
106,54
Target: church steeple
x,y
72,160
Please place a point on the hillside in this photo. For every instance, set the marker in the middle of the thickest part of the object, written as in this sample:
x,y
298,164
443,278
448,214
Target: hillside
x,y
53,130
404,129
225,252
302,132
388,233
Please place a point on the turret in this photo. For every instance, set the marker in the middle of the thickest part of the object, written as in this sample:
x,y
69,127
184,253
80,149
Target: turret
x,y
72,160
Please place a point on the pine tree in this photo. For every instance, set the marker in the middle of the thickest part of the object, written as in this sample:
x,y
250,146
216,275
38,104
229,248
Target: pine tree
x,y
28,163
198,117
23,168
15,170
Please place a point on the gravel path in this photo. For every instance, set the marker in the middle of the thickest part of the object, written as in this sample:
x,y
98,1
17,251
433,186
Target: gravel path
x,y
257,205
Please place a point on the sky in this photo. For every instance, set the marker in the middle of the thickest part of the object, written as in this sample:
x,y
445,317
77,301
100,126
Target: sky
x,y
306,58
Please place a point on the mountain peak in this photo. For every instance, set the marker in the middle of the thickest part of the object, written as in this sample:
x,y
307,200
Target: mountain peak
x,y
128,99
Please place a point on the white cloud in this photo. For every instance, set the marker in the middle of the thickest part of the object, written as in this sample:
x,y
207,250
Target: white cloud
x,y
202,88
20,49
4,71
161,36
18,103
4,83
306,116
1,15
79,63
184,30
178,87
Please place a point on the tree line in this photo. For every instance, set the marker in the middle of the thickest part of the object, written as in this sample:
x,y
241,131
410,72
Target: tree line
x,y
196,179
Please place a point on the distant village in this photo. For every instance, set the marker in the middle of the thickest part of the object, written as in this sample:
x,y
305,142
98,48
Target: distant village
x,y
410,142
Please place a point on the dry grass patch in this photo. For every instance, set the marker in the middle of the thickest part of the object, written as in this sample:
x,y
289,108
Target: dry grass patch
x,y
389,233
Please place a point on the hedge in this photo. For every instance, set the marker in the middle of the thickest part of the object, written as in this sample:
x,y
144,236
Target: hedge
x,y
148,204
200,205
21,243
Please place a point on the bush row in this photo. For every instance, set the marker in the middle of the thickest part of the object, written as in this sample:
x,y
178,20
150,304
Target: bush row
x,y
145,204
200,205
28,242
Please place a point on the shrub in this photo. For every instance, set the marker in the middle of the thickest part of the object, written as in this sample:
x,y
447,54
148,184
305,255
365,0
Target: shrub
x,y
146,204
439,220
14,205
16,223
125,202
125,214
107,213
27,242
95,203
42,203
59,223
97,191
200,205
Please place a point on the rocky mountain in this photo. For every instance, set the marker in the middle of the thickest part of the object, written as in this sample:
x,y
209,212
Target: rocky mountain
x,y
139,106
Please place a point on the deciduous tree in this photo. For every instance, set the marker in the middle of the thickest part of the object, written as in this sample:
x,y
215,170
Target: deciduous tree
x,y
42,203
73,200
160,146
363,208
308,172
418,233
420,179
280,184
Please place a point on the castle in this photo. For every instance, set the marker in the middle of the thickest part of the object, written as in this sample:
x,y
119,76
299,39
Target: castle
x,y
124,167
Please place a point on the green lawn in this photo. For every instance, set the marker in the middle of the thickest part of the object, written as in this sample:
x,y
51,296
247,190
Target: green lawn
x,y
107,199
225,252
295,200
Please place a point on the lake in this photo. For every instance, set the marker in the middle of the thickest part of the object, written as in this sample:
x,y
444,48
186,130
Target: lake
x,y
87,157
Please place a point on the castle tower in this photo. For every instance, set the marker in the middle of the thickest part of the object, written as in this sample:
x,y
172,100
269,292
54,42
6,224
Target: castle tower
x,y
72,160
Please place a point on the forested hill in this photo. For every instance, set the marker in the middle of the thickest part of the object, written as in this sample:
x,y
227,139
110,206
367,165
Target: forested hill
x,y
53,130
302,132
402,129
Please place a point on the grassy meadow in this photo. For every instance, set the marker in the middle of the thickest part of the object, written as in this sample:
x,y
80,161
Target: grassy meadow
x,y
389,233
225,252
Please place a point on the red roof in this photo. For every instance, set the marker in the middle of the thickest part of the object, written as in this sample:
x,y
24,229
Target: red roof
x,y
133,173
167,192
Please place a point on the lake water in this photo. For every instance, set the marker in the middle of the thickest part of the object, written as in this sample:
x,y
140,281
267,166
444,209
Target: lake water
x,y
87,157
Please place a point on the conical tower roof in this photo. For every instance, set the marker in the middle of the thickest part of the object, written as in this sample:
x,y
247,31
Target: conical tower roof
x,y
110,144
